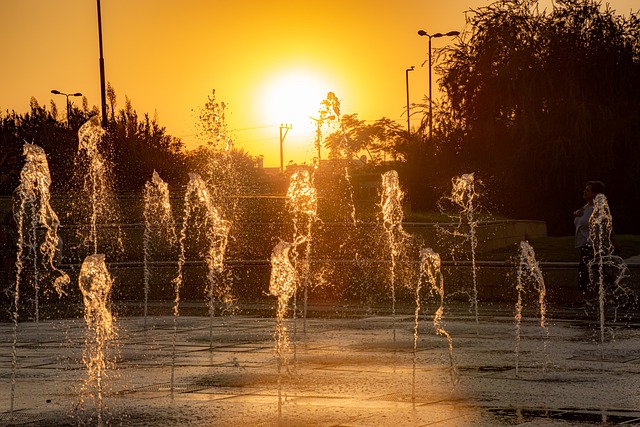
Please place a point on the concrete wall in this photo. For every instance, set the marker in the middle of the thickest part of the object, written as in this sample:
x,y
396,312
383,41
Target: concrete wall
x,y
490,234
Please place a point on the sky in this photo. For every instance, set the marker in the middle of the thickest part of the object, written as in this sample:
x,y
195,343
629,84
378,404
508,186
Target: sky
x,y
271,62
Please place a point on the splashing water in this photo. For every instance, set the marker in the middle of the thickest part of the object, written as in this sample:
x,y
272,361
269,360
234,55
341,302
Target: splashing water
x,y
392,216
464,195
352,205
95,284
224,177
200,209
610,269
528,271
282,285
430,272
34,195
158,225
34,198
302,201
97,181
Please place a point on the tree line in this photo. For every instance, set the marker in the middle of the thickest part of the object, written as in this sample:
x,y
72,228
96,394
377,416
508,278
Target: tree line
x,y
535,103
135,145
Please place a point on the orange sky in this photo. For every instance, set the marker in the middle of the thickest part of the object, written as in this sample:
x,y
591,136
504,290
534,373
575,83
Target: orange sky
x,y
167,56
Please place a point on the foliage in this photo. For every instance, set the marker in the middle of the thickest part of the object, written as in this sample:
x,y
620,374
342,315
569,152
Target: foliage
x,y
536,103
355,136
227,170
328,113
212,123
38,126
547,101
135,146
142,145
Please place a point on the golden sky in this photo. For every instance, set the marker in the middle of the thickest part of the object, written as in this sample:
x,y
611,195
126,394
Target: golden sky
x,y
272,62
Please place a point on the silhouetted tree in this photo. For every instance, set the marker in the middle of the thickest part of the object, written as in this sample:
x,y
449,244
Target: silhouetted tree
x,y
355,136
41,127
546,101
212,123
138,146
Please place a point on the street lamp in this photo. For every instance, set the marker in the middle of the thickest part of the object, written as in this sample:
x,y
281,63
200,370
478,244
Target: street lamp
x,y
57,92
329,112
436,35
319,122
103,91
406,72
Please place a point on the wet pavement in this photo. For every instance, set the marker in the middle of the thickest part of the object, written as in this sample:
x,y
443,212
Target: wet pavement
x,y
345,370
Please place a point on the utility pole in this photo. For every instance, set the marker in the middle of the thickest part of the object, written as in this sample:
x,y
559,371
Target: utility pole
x,y
286,129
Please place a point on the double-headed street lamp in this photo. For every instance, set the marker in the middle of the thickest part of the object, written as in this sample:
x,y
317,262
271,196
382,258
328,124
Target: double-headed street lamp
x,y
406,73
57,92
436,35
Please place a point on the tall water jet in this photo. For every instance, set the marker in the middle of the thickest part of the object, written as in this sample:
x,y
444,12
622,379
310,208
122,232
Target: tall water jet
x,y
392,215
605,265
97,181
224,177
204,216
430,272
350,219
159,226
95,284
528,271
302,201
352,205
33,211
283,284
463,196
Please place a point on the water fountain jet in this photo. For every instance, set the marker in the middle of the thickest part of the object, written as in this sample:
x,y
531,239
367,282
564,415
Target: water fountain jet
x,y
430,273
303,204
528,271
606,268
34,197
95,284
463,196
199,207
283,284
392,215
159,226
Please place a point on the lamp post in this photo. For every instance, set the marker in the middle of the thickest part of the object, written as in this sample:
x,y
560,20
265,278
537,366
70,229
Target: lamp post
x,y
406,72
57,92
103,91
319,122
286,129
329,112
436,35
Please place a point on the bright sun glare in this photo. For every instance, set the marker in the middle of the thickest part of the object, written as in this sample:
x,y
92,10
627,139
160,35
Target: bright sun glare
x,y
292,98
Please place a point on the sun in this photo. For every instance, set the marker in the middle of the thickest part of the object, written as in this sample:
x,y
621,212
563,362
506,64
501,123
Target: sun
x,y
293,97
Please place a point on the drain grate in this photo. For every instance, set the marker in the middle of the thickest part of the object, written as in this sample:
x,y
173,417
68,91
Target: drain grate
x,y
7,418
401,397
166,387
583,416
